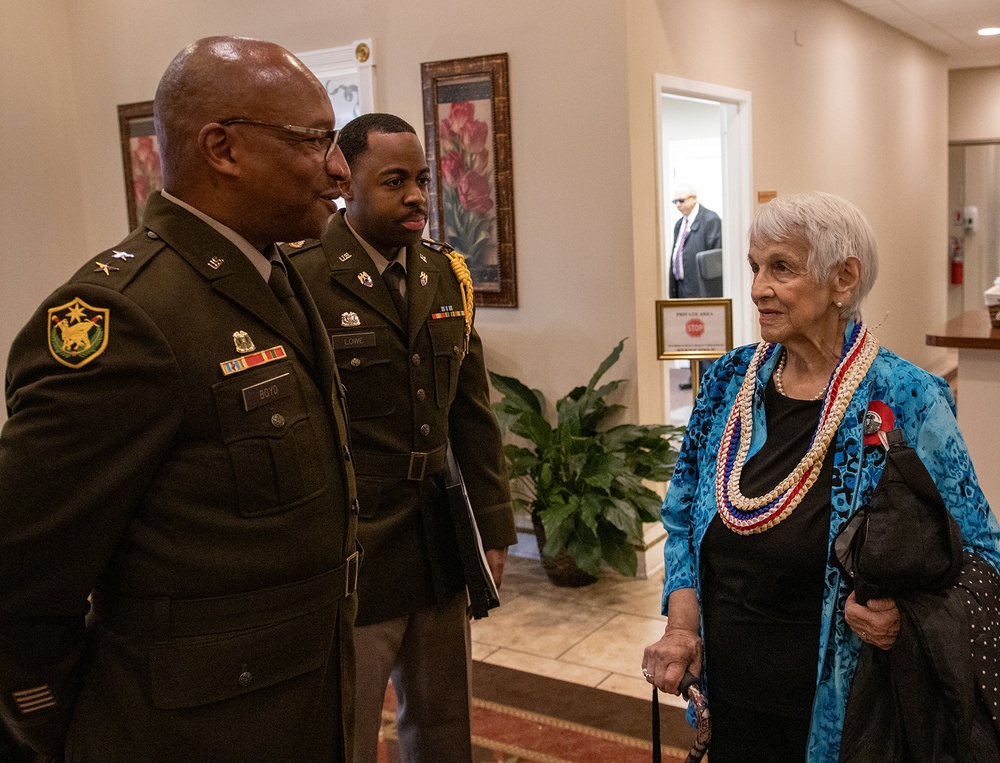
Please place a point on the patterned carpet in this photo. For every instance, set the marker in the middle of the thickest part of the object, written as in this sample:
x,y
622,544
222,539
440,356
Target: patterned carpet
x,y
523,718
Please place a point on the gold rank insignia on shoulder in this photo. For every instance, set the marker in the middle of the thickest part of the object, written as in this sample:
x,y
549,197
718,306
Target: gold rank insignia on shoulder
x,y
349,319
297,244
437,246
236,365
77,333
366,280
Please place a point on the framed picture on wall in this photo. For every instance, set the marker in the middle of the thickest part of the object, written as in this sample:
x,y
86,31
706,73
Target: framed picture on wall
x,y
693,329
140,157
347,73
467,131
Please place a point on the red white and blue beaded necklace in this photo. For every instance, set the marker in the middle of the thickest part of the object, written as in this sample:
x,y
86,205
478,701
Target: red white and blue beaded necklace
x,y
747,516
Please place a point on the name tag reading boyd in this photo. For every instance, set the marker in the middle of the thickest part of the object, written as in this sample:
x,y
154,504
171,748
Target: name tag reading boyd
x,y
352,340
267,391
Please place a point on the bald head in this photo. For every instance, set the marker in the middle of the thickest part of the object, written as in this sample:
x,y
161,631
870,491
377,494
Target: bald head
x,y
685,198
244,130
219,78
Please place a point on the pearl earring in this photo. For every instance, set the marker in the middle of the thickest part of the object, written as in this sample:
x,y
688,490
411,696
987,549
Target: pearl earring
x,y
839,304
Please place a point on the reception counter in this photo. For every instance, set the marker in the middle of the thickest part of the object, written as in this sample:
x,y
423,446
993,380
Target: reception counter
x,y
978,345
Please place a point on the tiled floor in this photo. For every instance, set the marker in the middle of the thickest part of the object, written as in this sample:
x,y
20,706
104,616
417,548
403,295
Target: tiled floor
x,y
592,635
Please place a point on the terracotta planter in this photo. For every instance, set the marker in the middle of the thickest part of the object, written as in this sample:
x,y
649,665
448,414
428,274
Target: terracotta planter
x,y
561,569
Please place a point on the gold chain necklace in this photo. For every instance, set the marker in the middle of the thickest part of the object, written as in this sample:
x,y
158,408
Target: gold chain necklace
x,y
746,515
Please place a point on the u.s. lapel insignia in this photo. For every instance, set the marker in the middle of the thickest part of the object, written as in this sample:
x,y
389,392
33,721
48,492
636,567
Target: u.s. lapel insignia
x,y
345,257
104,268
349,319
121,255
423,278
423,257
243,342
78,332
366,280
215,263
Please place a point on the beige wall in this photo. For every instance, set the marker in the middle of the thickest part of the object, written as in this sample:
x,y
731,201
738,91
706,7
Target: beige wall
x,y
974,104
851,107
856,109
41,212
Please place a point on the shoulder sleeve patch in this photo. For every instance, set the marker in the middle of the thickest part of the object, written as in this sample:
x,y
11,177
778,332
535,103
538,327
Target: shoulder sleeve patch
x,y
77,332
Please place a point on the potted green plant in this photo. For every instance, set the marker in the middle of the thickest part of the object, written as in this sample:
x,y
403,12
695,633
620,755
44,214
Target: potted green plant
x,y
583,482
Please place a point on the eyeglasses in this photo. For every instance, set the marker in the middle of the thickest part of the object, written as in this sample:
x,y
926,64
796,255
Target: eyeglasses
x,y
316,135
682,200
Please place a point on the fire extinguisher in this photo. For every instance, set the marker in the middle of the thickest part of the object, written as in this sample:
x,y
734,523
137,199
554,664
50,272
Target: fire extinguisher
x,y
956,256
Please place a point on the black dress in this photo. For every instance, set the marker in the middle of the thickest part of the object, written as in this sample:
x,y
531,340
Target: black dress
x,y
762,601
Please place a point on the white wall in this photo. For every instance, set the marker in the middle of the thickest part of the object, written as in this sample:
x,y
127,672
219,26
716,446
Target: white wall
x,y
841,103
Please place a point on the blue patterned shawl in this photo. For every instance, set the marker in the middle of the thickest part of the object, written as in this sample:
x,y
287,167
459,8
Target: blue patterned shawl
x,y
924,409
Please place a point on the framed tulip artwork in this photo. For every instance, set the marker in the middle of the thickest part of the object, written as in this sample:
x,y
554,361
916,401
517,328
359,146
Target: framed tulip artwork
x,y
467,130
140,157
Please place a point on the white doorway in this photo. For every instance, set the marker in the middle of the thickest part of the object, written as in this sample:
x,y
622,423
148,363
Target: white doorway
x,y
703,139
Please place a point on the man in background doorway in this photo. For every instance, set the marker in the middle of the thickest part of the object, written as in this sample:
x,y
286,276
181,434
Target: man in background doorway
x,y
699,229
401,323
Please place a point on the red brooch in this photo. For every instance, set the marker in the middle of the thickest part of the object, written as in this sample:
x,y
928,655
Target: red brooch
x,y
878,418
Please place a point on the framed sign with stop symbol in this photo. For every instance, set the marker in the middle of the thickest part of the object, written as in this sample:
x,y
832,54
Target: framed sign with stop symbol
x,y
693,329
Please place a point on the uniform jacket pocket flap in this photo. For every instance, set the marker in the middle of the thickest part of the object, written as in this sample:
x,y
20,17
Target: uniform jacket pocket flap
x,y
199,671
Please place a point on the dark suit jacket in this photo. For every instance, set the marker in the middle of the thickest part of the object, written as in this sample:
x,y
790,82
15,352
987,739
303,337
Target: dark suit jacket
x,y
705,233
210,511
408,392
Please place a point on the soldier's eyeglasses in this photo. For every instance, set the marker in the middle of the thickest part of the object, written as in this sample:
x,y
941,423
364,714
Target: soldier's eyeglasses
x,y
682,200
312,133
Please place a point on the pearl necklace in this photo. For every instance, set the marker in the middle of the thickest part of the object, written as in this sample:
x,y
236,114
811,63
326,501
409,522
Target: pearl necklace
x,y
745,515
780,371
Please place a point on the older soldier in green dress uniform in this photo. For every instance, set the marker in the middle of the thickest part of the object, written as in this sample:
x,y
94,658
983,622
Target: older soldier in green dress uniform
x,y
177,446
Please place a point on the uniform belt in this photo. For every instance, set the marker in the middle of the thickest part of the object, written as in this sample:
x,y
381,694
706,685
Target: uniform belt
x,y
412,466
163,616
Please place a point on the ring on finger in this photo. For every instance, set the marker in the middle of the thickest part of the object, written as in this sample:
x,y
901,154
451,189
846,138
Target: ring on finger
x,y
646,674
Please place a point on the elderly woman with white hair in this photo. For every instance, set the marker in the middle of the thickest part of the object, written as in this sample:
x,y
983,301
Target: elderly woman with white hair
x,y
782,448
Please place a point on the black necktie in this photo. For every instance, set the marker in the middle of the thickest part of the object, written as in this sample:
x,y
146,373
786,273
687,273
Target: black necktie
x,y
283,291
393,276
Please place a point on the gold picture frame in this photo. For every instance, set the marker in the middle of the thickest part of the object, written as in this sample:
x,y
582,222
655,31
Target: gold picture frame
x,y
467,130
693,329
140,157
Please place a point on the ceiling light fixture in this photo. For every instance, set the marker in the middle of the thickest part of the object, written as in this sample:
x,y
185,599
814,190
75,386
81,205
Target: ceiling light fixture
x,y
989,31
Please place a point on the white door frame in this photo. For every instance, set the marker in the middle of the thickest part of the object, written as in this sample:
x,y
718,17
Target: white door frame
x,y
737,188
